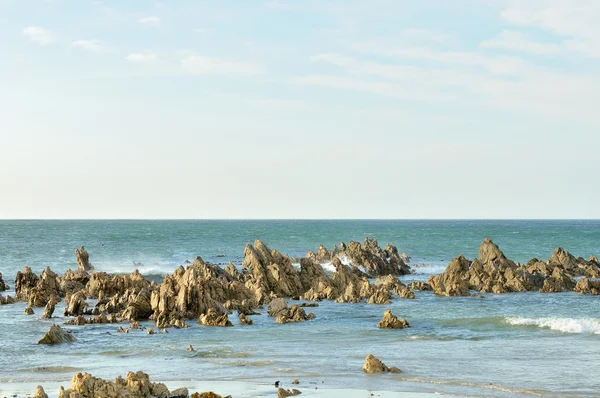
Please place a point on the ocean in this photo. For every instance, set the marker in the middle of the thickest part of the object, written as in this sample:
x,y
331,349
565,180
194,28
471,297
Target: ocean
x,y
521,344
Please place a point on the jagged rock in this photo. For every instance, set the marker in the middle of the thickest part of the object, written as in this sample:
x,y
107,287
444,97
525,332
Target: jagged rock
x,y
180,393
190,348
28,310
315,282
76,304
56,335
375,260
380,296
451,282
208,394
559,281
270,272
135,385
100,319
279,309
244,320
6,300
287,393
349,287
47,288
390,282
24,282
73,281
49,309
374,365
138,305
586,286
391,321
184,295
3,286
83,259
419,286
232,271
212,318
102,284
40,393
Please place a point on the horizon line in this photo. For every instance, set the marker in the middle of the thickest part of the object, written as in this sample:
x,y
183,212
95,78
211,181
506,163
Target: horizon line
x,y
299,219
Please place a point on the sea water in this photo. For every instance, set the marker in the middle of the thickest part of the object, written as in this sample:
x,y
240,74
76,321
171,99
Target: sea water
x,y
523,344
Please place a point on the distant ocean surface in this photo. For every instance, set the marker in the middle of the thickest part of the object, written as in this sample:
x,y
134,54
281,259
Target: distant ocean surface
x,y
525,344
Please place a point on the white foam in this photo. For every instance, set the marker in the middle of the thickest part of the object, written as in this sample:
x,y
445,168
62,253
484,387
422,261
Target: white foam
x,y
565,325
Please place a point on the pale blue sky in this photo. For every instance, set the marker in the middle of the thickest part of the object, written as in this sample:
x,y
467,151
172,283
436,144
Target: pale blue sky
x,y
299,109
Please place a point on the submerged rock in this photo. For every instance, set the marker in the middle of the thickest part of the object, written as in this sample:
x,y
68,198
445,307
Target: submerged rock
x,y
56,335
244,320
6,300
279,309
374,365
391,321
28,310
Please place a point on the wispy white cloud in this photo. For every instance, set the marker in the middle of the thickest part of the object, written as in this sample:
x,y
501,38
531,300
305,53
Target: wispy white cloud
x,y
151,21
96,46
142,58
424,35
200,65
516,41
39,35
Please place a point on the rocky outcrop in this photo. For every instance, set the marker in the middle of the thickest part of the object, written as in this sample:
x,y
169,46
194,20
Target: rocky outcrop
x,y
6,300
419,286
49,309
380,296
74,281
24,283
452,282
135,385
212,318
76,304
56,335
374,260
374,365
97,320
244,320
183,295
138,305
279,309
587,286
83,259
391,321
3,286
47,288
28,311
315,282
40,393
390,282
559,281
350,286
270,273
102,284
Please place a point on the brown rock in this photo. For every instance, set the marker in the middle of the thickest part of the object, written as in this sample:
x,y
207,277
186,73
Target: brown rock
x,y
28,310
452,281
391,321
212,318
135,385
586,286
40,393
287,393
49,309
83,259
24,283
3,286
374,365
47,288
6,300
76,304
244,320
56,335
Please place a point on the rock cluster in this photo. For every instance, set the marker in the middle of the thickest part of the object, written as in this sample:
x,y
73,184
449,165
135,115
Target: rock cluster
x,y
391,321
374,365
374,260
84,385
492,272
279,309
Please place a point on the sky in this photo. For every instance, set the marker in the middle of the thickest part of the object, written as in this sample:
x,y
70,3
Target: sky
x,y
299,109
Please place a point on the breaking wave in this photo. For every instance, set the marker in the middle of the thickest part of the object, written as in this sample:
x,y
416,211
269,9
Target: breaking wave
x,y
565,325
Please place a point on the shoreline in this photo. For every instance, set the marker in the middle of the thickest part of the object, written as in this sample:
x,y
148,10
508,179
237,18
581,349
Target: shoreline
x,y
235,388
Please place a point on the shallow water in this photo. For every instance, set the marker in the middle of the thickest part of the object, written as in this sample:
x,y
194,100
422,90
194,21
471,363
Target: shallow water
x,y
527,344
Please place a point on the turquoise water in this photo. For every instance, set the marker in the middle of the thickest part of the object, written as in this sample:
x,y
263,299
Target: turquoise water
x,y
519,344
